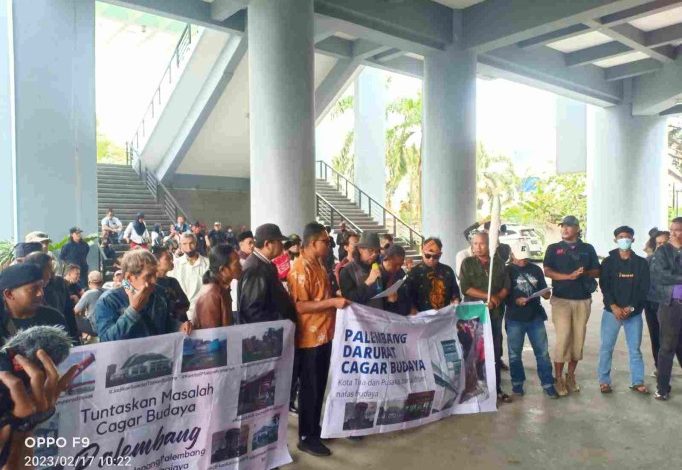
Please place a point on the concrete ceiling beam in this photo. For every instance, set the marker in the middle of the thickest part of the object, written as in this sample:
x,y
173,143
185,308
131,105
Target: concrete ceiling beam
x,y
596,53
633,69
223,9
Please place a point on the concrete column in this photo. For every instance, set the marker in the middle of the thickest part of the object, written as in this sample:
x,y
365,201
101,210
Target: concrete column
x,y
370,133
281,94
626,175
47,117
449,148
571,136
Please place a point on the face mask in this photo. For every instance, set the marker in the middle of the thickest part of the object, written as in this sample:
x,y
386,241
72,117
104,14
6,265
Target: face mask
x,y
624,243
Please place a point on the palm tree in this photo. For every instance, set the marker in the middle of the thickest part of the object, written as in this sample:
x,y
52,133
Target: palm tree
x,y
495,176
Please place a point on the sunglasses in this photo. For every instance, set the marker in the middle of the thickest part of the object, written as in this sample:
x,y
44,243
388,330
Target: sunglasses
x,y
435,256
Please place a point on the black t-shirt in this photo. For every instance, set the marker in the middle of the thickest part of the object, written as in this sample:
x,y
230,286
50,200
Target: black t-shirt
x,y
565,258
44,316
217,237
525,281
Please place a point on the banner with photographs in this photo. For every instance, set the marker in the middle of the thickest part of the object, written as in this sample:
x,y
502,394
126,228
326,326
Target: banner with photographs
x,y
390,372
215,400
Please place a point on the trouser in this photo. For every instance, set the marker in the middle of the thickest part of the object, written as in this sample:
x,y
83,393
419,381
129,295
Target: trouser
x,y
496,326
313,367
670,321
651,313
294,382
610,327
537,334
570,324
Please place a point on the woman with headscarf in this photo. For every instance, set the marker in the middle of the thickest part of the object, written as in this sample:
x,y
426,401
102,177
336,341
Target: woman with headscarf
x,y
136,233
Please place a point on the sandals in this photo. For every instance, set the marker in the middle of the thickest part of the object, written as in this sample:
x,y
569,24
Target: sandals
x,y
605,388
504,398
640,388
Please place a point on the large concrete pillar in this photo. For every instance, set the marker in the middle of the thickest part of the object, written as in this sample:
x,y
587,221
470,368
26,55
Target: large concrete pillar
x,y
281,94
571,136
449,148
370,133
48,167
626,175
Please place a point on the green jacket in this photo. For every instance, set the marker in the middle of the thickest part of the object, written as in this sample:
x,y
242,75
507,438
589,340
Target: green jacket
x,y
474,275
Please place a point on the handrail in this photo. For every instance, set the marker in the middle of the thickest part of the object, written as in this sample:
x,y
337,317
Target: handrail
x,y
324,168
160,192
153,111
333,210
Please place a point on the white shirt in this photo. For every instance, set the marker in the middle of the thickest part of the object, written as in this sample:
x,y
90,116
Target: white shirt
x,y
461,256
131,234
113,223
190,278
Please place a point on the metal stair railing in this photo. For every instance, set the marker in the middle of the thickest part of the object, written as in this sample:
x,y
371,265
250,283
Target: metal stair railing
x,y
159,191
396,226
326,212
189,36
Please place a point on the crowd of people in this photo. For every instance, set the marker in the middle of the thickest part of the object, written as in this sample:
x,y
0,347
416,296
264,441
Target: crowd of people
x,y
190,279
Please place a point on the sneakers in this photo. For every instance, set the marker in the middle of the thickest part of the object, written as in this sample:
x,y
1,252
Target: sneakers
x,y
560,387
314,447
571,384
551,393
518,390
661,396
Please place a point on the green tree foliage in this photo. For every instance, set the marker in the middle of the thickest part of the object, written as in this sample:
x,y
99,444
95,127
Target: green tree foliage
x,y
554,198
495,176
344,162
675,146
108,151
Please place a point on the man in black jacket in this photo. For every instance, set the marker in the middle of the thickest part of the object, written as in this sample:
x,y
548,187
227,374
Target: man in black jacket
x,y
76,252
262,297
360,280
666,275
624,282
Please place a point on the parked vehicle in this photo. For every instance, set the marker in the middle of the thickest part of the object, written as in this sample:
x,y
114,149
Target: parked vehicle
x,y
516,234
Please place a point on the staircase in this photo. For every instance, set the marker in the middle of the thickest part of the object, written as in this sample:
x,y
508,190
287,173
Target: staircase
x,y
120,188
333,204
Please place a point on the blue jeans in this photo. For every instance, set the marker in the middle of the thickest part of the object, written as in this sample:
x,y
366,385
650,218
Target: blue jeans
x,y
610,326
516,334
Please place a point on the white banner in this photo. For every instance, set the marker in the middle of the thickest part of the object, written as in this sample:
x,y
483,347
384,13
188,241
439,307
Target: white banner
x,y
390,372
216,400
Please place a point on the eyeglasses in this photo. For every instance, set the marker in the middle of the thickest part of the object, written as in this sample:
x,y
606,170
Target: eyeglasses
x,y
434,256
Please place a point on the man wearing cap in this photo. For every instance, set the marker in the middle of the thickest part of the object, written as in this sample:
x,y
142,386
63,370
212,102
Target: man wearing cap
x,y
624,282
76,252
262,297
474,280
39,237
432,284
111,226
246,244
21,288
526,316
85,308
573,266
23,249
361,279
216,236
189,270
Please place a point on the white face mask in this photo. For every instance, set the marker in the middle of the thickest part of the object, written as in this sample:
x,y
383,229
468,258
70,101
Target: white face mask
x,y
624,243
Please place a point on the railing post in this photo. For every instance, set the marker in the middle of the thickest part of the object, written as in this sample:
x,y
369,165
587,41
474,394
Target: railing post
x,y
331,217
385,217
395,225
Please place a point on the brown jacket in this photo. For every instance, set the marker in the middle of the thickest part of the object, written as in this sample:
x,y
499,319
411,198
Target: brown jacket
x,y
213,307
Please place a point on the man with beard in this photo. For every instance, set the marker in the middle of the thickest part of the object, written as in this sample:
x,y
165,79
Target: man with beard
x,y
189,270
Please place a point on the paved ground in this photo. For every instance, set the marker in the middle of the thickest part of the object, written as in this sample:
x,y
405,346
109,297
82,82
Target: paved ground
x,y
582,431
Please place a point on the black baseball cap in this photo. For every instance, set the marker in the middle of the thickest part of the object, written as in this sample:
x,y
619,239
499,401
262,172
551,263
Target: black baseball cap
x,y
570,220
244,235
269,232
73,230
624,229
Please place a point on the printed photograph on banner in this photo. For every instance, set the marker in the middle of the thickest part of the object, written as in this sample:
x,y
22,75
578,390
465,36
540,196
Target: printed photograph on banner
x,y
266,346
266,433
199,354
415,406
230,443
138,367
359,415
471,337
446,363
84,381
256,391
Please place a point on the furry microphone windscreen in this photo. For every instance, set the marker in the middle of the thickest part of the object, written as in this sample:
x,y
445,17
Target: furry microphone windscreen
x,y
52,339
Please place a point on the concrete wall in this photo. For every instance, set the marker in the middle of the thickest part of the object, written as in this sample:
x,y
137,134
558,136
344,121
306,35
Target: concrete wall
x,y
229,207
54,114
